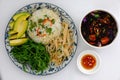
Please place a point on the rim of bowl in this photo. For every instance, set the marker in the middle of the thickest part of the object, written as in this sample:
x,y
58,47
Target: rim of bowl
x,y
95,69
107,44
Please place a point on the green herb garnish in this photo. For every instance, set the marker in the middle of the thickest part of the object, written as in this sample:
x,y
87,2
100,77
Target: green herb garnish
x,y
53,21
97,15
40,20
32,24
49,30
33,55
46,16
41,25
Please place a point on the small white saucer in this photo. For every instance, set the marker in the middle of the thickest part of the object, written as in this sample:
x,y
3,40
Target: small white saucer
x,y
91,71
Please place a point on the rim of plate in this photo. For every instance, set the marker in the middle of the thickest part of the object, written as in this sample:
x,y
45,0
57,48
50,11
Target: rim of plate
x,y
75,30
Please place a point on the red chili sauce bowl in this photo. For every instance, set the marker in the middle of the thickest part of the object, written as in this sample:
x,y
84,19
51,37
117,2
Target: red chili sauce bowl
x,y
99,28
88,61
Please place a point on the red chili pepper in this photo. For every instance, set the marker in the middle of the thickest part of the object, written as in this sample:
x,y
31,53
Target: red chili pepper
x,y
92,37
105,40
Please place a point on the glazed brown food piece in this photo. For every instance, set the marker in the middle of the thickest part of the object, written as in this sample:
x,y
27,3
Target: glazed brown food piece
x,y
99,28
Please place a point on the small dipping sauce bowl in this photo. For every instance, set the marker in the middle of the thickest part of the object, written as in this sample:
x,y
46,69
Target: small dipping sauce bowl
x,y
88,62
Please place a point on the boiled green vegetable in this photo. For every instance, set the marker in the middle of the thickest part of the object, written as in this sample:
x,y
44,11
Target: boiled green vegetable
x,y
33,55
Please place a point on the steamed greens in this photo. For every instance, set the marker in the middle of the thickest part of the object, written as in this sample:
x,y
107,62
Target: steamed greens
x,y
33,55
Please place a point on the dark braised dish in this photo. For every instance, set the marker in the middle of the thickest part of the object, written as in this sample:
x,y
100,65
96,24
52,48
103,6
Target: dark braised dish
x,y
99,28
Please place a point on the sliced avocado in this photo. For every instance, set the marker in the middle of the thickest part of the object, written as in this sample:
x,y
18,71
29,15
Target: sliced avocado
x,y
15,36
20,14
19,21
17,42
21,28
21,25
11,24
12,32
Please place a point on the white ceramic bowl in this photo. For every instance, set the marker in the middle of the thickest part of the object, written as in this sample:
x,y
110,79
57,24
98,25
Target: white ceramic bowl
x,y
97,47
95,68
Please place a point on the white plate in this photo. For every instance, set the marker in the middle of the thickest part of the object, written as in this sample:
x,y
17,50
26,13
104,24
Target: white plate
x,y
64,17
